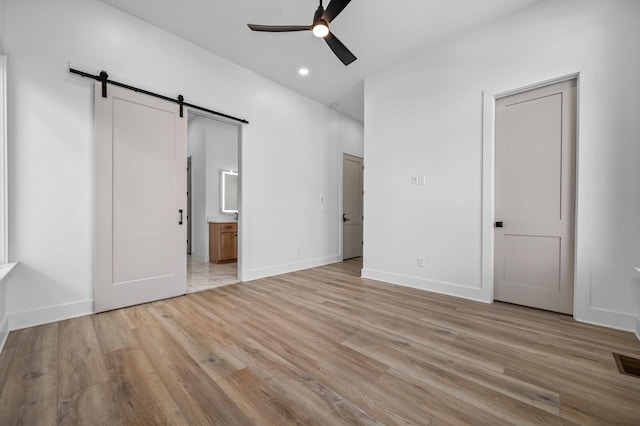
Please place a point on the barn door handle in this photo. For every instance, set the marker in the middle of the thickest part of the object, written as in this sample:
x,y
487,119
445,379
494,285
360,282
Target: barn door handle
x,y
344,217
499,224
180,222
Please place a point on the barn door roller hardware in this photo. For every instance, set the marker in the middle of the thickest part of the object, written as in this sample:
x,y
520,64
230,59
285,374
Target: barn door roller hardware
x,y
103,78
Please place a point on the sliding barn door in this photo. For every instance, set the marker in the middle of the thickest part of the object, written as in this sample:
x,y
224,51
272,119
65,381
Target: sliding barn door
x,y
140,199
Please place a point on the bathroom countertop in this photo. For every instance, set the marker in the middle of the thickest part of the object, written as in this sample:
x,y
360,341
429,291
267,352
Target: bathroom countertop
x,y
220,219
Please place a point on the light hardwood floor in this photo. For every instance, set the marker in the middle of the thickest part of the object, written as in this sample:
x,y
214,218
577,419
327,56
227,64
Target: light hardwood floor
x,y
320,346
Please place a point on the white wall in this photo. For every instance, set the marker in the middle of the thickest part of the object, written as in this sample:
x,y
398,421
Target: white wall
x,y
425,116
290,140
2,26
222,154
4,318
196,148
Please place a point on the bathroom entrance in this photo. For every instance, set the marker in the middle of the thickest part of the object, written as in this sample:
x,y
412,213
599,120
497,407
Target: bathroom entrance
x,y
213,146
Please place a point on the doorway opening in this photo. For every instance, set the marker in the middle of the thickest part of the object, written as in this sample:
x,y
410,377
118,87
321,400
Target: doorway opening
x,y
352,197
213,146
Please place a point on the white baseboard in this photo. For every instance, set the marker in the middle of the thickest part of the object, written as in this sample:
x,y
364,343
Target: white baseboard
x,y
594,316
441,287
4,321
606,318
4,331
201,258
271,271
50,314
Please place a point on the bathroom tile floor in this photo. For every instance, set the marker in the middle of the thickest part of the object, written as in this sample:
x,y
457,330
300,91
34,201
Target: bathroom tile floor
x,y
205,275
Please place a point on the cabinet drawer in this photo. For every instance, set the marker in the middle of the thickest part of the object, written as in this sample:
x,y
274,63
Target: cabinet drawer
x,y
227,227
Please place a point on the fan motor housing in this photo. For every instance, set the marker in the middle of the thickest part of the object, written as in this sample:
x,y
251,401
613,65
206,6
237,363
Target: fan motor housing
x,y
318,15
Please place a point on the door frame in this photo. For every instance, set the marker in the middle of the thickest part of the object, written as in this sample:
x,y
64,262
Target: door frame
x,y
243,239
361,157
510,291
4,222
341,200
584,166
189,202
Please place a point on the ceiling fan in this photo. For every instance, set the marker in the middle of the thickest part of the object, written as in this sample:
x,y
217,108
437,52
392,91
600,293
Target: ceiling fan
x,y
320,28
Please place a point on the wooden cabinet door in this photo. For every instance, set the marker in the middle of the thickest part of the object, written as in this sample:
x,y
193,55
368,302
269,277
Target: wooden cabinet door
x,y
228,245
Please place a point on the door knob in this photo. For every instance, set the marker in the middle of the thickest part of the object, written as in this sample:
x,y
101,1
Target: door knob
x,y
344,217
499,224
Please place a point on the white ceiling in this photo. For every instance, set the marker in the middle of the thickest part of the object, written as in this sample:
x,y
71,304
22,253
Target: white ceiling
x,y
380,33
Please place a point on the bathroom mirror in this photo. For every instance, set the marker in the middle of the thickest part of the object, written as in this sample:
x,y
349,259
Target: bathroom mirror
x,y
229,191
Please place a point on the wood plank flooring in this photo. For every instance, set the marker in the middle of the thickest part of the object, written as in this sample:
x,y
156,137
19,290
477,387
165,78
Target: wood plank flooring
x,y
321,346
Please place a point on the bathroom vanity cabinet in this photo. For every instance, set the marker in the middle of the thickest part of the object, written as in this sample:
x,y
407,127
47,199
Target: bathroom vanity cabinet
x,y
223,242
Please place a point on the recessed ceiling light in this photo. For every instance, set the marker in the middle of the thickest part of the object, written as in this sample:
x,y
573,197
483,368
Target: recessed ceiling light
x,y
303,71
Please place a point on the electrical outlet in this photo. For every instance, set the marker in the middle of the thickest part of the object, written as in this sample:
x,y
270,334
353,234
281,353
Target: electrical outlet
x,y
421,262
421,179
414,180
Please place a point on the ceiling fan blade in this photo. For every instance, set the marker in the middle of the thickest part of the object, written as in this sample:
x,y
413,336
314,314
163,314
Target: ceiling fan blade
x,y
279,28
334,8
340,49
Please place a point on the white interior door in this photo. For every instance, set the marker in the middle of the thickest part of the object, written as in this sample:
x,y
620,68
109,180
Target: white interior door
x,y
352,207
534,197
140,199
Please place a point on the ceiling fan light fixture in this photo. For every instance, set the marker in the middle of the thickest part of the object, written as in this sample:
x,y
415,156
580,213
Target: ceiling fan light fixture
x,y
321,28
